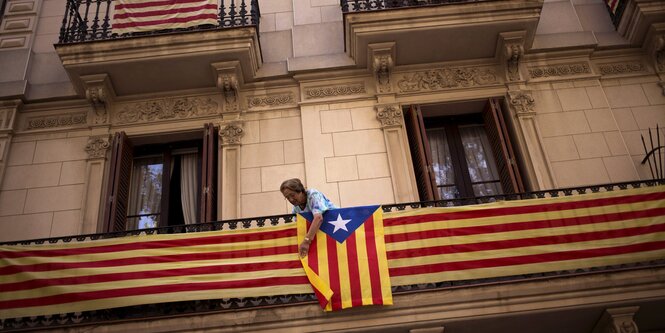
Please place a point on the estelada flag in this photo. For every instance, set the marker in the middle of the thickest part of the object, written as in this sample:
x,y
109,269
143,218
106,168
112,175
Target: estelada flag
x,y
347,264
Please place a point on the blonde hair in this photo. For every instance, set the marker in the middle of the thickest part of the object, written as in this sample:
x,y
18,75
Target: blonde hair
x,y
293,184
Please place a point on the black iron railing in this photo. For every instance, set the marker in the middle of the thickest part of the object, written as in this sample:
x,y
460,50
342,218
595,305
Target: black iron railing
x,y
91,20
371,5
142,312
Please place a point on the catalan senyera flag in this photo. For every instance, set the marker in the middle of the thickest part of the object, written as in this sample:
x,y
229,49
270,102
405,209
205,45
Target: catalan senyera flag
x,y
347,263
150,15
424,245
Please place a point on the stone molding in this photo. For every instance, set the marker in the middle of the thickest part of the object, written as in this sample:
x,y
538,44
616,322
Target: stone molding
x,y
662,86
67,120
99,92
229,80
511,48
569,69
230,134
272,100
621,68
166,109
389,116
17,24
522,103
659,52
8,111
97,146
617,320
447,78
338,90
382,60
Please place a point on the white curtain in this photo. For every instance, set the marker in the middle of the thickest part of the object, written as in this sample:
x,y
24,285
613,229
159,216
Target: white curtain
x,y
188,185
442,164
478,154
145,193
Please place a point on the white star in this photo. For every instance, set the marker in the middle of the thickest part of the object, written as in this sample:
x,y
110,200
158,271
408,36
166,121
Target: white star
x,y
339,223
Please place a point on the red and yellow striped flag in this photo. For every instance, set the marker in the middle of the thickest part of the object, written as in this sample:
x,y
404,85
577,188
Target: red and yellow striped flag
x,y
150,15
347,263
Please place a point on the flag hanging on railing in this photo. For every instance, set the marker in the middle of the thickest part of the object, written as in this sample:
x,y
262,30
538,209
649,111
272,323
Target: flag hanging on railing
x,y
150,15
347,263
613,5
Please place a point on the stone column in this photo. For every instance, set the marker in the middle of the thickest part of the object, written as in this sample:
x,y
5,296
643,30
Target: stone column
x,y
399,157
536,162
617,320
228,197
8,110
93,193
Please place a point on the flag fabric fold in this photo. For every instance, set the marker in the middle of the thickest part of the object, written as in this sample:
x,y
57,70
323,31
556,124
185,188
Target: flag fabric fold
x,y
150,15
347,264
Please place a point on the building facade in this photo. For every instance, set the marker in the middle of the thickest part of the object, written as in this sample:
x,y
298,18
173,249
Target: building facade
x,y
371,102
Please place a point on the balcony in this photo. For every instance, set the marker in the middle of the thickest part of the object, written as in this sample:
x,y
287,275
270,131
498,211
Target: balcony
x,y
583,290
163,60
430,31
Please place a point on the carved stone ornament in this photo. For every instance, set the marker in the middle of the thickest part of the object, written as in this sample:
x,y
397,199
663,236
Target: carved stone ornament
x,y
341,90
8,110
56,121
95,95
659,53
627,325
97,146
166,109
383,65
560,70
662,86
522,103
231,134
621,68
389,116
447,78
270,100
229,86
513,54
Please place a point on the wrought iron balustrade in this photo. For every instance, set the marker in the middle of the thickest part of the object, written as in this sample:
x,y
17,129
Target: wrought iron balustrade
x,y
92,20
372,5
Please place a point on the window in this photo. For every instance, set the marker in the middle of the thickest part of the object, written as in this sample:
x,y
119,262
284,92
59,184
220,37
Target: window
x,y
157,183
461,150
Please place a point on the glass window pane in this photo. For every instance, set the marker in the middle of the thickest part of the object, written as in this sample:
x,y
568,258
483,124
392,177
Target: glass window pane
x,y
478,154
448,192
143,222
145,192
441,159
480,190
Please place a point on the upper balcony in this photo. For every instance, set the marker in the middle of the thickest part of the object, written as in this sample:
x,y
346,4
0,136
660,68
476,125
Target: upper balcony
x,y
149,50
430,31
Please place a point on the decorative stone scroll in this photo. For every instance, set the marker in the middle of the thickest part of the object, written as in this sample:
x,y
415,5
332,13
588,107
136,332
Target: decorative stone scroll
x,y
560,70
231,134
99,92
340,90
447,78
522,102
621,68
228,77
270,100
617,320
56,121
389,116
166,109
97,146
514,52
659,52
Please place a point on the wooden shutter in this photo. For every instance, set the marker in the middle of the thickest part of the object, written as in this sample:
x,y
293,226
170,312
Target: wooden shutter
x,y
117,195
420,152
208,201
497,132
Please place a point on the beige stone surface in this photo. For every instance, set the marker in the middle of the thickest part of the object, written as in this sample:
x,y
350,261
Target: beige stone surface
x,y
632,80
262,154
293,151
50,199
649,116
601,120
591,145
21,153
560,17
262,204
272,177
615,142
336,121
251,132
280,129
364,118
317,39
586,83
643,170
250,180
305,13
634,143
546,101
267,24
276,45
283,21
316,147
625,96
565,123
341,168
66,223
620,168
597,97
276,6
625,119
563,85
373,166
69,149
654,93
31,176
21,227
574,99
72,173
359,142
366,192
331,13
319,3
11,202
561,148
580,172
